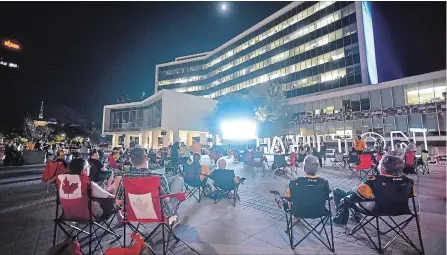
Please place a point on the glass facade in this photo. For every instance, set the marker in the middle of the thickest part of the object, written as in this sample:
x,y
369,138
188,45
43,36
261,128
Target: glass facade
x,y
310,48
135,118
415,105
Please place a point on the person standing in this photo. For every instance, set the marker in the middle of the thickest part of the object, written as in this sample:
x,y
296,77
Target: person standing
x,y
186,155
132,143
411,145
359,145
323,149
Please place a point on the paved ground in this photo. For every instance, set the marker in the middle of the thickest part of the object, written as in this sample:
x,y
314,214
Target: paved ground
x,y
255,226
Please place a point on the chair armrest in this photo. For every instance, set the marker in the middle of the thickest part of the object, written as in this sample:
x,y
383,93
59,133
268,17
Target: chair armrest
x,y
179,196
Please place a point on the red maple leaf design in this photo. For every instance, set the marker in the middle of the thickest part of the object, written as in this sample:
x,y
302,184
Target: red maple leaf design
x,y
69,188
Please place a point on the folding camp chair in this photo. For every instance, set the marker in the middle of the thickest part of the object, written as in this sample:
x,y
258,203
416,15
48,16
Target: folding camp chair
x,y
279,164
257,163
422,163
300,160
193,184
390,201
75,198
153,163
410,162
143,204
291,164
364,168
224,183
214,157
247,157
51,171
338,161
308,201
237,156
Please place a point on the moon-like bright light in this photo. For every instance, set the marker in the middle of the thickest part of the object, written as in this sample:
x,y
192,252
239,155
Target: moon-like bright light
x,y
223,7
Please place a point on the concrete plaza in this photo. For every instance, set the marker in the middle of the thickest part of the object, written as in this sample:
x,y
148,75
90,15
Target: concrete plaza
x,y
255,226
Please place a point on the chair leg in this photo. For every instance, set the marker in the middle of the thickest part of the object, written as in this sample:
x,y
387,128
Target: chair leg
x,y
378,236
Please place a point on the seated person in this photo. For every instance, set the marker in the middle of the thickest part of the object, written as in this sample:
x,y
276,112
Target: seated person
x,y
390,167
113,158
173,184
310,166
61,158
222,173
204,170
98,173
80,166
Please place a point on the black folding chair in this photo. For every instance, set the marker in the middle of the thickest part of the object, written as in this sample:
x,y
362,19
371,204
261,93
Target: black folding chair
x,y
338,161
422,163
193,184
224,184
308,201
257,163
390,201
279,164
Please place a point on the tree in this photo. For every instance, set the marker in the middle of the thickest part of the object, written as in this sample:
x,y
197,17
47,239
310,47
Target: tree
x,y
269,102
33,132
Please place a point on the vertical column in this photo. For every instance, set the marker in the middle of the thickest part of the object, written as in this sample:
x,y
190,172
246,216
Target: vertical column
x,y
126,141
176,136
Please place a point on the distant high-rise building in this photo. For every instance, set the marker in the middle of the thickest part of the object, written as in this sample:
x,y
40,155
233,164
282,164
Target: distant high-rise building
x,y
307,47
11,96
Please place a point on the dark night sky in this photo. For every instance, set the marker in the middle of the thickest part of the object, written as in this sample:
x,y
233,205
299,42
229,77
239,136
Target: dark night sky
x,y
84,54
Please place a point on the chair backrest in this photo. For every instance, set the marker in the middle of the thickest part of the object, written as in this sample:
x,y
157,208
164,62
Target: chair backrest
x,y
391,194
338,156
301,157
153,157
280,160
293,157
224,179
409,158
237,153
258,159
354,157
73,194
424,156
246,156
51,170
142,199
191,173
309,196
365,162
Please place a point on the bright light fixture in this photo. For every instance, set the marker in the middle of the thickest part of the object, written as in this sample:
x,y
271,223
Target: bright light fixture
x,y
239,129
223,7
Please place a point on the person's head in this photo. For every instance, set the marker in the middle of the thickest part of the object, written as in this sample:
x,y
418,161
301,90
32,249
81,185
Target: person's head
x,y
221,164
79,166
94,154
311,165
391,165
60,154
411,141
359,137
196,157
115,150
138,158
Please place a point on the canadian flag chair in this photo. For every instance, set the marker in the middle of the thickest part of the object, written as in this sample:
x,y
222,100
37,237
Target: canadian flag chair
x,y
76,220
365,167
143,204
50,173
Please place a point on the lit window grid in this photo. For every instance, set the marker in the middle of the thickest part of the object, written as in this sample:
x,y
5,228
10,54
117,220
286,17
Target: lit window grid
x,y
329,19
379,99
334,55
278,28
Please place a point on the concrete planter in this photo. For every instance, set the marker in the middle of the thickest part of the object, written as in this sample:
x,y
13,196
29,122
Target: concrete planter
x,y
33,157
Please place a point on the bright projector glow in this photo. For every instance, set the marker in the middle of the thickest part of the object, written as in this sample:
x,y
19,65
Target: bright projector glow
x,y
239,129
223,7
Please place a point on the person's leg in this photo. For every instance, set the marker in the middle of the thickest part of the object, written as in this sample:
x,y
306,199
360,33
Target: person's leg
x,y
176,185
319,160
341,210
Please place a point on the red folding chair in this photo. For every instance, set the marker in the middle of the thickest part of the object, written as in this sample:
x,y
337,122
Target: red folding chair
x,y
143,204
291,164
365,167
52,169
410,162
75,199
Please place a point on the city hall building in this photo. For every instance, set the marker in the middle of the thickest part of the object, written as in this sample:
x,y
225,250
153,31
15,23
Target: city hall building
x,y
323,56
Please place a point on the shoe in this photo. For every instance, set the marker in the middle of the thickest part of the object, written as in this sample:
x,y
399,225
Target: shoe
x,y
241,181
173,224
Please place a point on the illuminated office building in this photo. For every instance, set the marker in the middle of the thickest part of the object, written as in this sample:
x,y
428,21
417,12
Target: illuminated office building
x,y
307,47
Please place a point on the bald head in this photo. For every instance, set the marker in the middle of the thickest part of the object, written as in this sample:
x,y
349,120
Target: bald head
x,y
222,163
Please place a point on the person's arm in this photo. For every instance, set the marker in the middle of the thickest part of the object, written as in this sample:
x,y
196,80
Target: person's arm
x,y
99,192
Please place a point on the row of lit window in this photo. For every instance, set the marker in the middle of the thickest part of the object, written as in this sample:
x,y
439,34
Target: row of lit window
x,y
309,81
306,30
318,60
335,35
308,46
